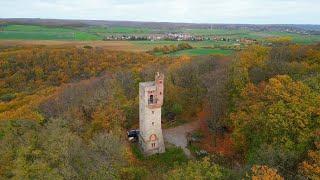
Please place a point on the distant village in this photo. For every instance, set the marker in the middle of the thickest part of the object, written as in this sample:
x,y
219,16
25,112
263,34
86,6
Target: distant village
x,y
177,37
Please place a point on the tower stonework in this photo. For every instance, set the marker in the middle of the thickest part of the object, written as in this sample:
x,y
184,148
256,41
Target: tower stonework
x,y
150,102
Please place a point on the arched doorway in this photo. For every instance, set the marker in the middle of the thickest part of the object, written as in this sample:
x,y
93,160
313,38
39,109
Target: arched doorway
x,y
153,139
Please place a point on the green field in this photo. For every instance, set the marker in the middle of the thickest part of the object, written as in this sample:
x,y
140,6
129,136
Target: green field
x,y
30,32
117,30
202,51
259,35
34,32
218,32
198,52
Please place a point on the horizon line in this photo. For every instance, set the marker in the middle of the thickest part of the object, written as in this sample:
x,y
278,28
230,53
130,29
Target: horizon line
x,y
170,22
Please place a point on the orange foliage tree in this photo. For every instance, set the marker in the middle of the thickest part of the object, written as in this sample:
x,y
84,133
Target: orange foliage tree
x,y
310,168
264,173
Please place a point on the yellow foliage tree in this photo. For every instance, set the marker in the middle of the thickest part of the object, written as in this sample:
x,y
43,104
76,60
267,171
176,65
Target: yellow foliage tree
x,y
259,172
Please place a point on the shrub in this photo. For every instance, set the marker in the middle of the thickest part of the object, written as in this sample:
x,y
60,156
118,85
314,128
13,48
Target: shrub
x,y
177,109
7,97
87,47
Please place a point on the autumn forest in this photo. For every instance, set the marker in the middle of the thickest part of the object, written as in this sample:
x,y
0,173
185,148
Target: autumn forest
x,y
64,112
194,90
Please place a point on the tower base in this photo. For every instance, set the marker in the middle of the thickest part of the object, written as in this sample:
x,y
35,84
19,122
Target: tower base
x,y
147,147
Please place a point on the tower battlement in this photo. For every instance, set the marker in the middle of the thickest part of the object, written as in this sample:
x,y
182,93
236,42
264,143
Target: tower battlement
x,y
150,102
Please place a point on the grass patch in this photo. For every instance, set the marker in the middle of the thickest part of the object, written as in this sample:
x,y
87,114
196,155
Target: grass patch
x,y
202,51
160,162
156,165
31,32
36,35
136,151
173,155
218,32
121,30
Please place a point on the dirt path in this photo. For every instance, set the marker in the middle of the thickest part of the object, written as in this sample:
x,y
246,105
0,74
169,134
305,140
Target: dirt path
x,y
221,144
178,135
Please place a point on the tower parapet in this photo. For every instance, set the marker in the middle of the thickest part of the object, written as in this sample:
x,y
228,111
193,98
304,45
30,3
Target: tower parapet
x,y
156,96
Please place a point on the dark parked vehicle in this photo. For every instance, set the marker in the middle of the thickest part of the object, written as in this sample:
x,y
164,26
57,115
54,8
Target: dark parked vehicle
x,y
133,135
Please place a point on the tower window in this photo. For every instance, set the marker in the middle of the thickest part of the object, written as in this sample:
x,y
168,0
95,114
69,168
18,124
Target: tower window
x,y
152,112
152,123
153,145
151,99
153,137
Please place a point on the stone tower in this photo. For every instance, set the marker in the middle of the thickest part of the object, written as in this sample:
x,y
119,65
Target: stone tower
x,y
150,102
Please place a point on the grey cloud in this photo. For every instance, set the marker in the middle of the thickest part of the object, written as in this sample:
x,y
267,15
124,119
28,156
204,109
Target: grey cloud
x,y
213,11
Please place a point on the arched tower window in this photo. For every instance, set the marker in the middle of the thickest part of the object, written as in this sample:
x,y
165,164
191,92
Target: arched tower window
x,y
153,137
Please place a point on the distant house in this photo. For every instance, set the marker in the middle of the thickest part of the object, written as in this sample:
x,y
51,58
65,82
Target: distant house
x,y
3,24
248,41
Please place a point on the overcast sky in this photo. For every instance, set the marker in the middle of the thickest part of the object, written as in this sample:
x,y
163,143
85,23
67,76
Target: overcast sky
x,y
194,11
